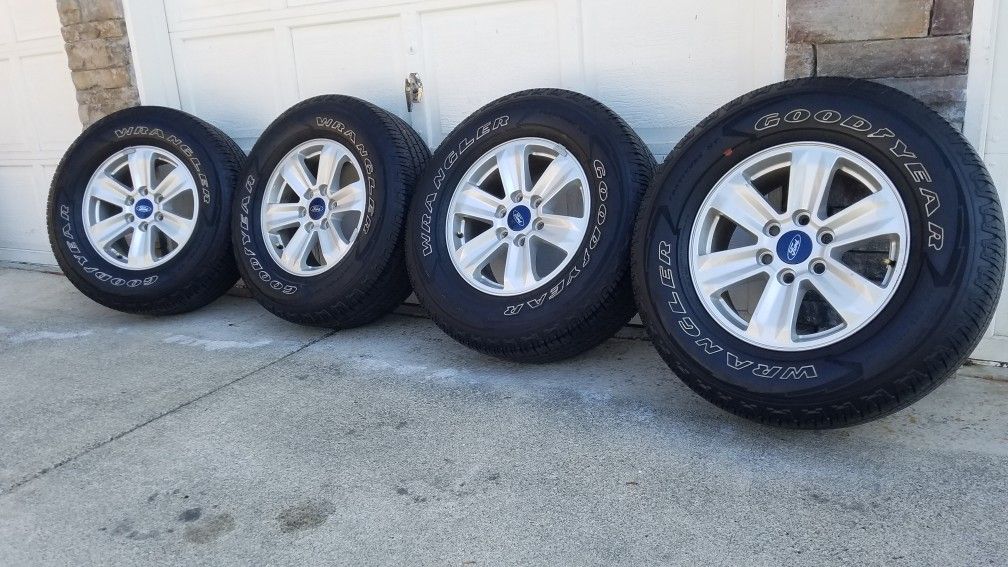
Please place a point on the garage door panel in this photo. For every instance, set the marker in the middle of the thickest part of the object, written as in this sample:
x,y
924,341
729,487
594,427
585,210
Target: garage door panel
x,y
22,220
6,27
53,109
664,65
230,80
363,58
32,20
14,138
476,54
179,11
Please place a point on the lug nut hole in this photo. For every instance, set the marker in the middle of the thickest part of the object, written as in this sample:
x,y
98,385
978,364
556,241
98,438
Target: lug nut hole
x,y
773,230
787,277
818,268
802,219
766,258
826,237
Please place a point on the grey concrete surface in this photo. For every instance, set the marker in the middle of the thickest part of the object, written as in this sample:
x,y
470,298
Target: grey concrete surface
x,y
228,437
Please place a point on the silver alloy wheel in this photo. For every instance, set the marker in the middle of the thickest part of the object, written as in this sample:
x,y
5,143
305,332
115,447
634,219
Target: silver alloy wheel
x,y
313,207
518,216
799,246
140,207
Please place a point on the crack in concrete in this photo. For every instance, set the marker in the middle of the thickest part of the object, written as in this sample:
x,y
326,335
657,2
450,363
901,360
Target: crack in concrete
x,y
89,448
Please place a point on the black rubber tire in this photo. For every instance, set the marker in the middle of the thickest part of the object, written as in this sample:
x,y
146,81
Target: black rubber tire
x,y
592,297
370,281
940,309
204,269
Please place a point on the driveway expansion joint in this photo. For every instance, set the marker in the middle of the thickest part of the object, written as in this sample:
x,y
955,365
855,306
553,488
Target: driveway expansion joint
x,y
93,446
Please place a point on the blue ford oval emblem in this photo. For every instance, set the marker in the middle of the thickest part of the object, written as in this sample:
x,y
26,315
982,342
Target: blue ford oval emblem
x,y
519,218
794,247
316,208
143,208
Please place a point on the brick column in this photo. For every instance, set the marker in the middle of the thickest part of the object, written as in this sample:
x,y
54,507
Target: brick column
x,y
918,46
98,53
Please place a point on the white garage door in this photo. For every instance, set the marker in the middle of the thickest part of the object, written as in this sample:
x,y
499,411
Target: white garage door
x,y
38,120
661,64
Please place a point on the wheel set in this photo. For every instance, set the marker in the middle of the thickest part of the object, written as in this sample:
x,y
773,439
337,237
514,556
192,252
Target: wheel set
x,y
817,253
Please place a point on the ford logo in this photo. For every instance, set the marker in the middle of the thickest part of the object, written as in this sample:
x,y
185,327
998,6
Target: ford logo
x,y
143,208
519,218
316,208
793,247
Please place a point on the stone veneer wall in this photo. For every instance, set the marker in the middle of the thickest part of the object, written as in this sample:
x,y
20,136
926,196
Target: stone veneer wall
x,y
98,53
918,46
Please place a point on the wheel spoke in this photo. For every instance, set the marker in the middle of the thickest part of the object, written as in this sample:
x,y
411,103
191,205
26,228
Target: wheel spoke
x,y
874,216
281,215
811,173
141,250
563,171
742,203
513,167
473,255
141,167
109,190
295,254
350,198
518,272
172,185
297,176
331,161
109,230
776,313
332,245
561,231
476,203
851,295
175,227
718,271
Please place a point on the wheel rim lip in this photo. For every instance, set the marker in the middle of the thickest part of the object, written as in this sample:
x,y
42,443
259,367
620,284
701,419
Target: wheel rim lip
x,y
274,188
89,211
548,148
820,339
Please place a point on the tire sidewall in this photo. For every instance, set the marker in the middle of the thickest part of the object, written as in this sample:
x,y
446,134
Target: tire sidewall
x,y
594,266
902,143
163,128
356,127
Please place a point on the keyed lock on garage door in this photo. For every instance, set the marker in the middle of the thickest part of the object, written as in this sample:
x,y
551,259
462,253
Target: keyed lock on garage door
x,y
414,91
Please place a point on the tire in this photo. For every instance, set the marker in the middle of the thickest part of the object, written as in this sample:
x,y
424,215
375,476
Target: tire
x,y
899,326
143,270
577,293
346,265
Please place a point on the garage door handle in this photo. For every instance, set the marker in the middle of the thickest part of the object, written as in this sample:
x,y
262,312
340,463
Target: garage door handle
x,y
414,91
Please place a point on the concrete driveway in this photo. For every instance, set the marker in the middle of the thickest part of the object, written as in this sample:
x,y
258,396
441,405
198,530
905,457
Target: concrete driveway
x,y
228,436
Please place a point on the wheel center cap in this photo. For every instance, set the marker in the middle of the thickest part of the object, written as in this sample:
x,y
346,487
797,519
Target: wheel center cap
x,y
143,208
519,218
316,208
794,247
